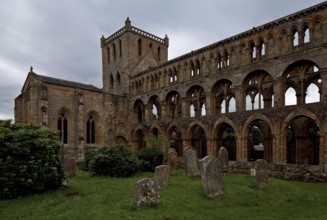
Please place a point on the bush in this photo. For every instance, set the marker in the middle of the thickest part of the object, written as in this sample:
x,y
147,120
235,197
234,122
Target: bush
x,y
28,160
117,161
88,156
150,158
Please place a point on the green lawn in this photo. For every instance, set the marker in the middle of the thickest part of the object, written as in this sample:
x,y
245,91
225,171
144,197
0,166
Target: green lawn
x,y
112,198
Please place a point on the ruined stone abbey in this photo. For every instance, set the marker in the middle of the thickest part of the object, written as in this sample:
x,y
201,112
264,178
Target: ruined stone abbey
x,y
260,94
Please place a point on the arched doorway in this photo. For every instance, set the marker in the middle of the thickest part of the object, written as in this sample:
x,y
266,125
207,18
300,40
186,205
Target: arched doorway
x,y
302,141
140,140
175,140
260,141
225,137
199,140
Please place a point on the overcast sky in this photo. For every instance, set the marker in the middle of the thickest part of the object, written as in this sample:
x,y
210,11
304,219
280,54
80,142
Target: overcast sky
x,y
61,38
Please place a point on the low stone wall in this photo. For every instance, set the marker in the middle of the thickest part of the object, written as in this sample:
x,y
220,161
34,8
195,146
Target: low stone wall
x,y
286,172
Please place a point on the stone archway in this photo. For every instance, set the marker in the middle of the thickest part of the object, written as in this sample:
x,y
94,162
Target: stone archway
x,y
199,140
302,141
259,142
139,140
225,137
175,140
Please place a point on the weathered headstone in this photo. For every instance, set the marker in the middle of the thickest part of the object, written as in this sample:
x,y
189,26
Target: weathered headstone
x,y
162,175
146,192
172,160
70,165
223,158
212,181
261,170
252,172
191,162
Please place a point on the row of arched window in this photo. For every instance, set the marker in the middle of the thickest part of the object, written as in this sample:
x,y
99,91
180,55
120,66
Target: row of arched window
x,y
112,50
218,60
301,84
63,128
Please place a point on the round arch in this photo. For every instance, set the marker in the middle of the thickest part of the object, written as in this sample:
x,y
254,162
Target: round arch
x,y
198,139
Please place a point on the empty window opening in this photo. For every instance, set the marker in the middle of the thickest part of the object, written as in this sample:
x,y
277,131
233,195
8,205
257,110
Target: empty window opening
x,y
203,109
232,105
192,111
313,94
295,39
306,35
108,54
155,113
223,106
290,97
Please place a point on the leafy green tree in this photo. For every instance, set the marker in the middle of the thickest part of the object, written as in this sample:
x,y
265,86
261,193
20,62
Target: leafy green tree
x,y
28,160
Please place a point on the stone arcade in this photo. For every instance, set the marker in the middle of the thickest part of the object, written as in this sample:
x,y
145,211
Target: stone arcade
x,y
262,94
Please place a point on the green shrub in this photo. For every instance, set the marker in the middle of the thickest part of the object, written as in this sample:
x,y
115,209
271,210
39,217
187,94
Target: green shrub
x,y
150,158
28,160
117,161
88,156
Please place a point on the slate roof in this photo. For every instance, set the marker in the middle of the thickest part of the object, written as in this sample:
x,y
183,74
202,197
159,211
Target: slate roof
x,y
61,82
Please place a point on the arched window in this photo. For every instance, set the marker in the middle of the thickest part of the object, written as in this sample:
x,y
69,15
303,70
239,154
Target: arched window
x,y
295,38
262,48
120,49
192,111
155,112
223,106
306,34
312,94
220,62
253,51
62,125
290,97
159,53
90,130
226,58
114,50
111,81
118,80
232,105
203,109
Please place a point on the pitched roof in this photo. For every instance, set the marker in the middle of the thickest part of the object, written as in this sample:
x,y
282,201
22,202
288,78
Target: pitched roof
x,y
61,82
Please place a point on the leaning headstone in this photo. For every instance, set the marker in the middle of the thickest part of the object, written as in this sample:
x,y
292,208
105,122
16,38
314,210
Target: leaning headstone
x,y
70,165
162,175
191,162
172,160
146,192
212,181
261,170
223,158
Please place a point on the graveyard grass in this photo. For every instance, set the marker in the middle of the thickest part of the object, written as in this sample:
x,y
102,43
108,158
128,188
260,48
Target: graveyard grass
x,y
112,198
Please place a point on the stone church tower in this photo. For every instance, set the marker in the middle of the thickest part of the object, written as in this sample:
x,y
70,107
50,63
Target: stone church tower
x,y
128,52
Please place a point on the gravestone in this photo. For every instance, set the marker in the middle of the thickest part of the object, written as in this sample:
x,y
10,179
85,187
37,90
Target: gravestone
x,y
223,158
70,165
146,192
252,172
211,178
162,175
191,162
261,170
172,160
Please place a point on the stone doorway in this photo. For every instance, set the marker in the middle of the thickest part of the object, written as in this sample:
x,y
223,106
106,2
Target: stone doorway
x,y
302,141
